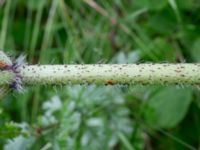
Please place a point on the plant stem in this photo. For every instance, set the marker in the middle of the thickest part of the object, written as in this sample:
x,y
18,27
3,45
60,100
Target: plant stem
x,y
110,74
6,77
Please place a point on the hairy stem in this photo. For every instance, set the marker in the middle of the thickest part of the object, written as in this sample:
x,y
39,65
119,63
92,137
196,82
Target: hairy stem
x,y
6,77
111,74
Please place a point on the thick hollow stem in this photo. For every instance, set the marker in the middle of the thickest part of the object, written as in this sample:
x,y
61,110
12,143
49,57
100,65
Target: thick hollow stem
x,y
110,74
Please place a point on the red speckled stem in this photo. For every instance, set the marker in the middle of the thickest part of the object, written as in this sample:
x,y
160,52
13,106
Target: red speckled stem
x,y
112,74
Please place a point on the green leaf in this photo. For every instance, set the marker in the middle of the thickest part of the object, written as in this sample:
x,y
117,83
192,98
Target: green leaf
x,y
10,130
186,4
125,141
20,143
163,22
169,106
151,4
195,51
35,4
89,117
164,50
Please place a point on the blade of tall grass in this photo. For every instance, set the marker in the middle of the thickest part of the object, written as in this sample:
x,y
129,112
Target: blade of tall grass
x,y
35,33
137,39
4,27
175,9
70,30
27,35
48,29
125,141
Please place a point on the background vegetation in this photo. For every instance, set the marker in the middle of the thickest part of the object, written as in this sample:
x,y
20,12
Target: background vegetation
x,y
93,117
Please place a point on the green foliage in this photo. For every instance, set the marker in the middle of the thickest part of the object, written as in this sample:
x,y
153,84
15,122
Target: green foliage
x,y
93,112
19,143
10,130
195,51
152,4
165,104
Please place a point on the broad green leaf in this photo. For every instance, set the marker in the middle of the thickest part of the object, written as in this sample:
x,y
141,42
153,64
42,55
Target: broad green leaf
x,y
195,50
169,106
